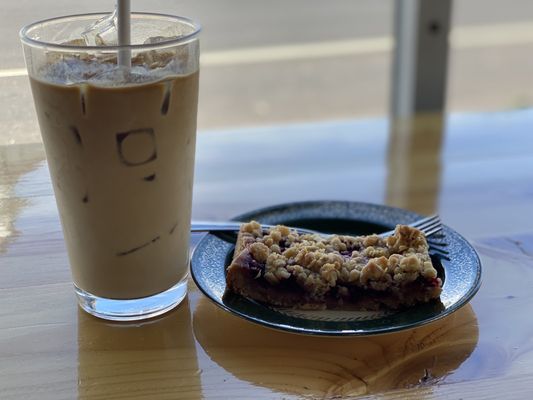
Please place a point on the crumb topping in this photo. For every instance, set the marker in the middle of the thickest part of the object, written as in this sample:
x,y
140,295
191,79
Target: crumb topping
x,y
319,263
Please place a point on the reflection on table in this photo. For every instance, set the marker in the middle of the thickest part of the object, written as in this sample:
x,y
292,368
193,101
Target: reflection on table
x,y
142,359
316,366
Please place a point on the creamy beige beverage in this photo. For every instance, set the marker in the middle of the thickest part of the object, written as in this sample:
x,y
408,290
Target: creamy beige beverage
x,y
121,158
116,99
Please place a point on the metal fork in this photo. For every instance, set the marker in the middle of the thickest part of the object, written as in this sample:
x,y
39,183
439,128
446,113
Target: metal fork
x,y
431,227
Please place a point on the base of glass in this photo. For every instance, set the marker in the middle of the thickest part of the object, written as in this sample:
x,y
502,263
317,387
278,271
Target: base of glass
x,y
134,309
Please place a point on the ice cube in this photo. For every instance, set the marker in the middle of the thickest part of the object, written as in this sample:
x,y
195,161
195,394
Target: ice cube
x,y
116,75
159,39
75,42
155,58
102,32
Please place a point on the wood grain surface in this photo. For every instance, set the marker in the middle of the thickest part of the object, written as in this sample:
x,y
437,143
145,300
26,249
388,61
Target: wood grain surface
x,y
478,175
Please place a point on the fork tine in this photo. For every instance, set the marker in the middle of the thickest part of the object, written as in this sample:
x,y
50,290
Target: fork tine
x,y
429,228
439,250
422,222
433,231
433,243
428,224
428,232
438,235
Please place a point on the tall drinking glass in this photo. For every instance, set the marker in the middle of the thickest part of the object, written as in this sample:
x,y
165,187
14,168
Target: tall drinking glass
x,y
120,144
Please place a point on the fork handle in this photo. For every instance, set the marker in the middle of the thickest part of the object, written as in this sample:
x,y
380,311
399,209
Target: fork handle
x,y
231,226
212,226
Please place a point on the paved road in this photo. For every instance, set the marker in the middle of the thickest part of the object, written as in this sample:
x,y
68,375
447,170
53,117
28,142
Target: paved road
x,y
249,78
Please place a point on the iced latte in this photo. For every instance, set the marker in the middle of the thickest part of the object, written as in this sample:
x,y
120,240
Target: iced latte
x,y
120,145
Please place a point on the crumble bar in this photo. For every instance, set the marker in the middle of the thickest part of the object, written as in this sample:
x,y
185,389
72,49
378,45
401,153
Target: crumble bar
x,y
283,268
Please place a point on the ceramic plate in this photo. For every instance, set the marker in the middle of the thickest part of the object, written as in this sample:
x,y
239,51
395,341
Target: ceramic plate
x,y
461,273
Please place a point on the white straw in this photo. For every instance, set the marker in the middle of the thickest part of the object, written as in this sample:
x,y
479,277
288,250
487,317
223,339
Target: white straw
x,y
124,32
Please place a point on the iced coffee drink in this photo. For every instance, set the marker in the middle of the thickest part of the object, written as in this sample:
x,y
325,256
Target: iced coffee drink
x,y
120,145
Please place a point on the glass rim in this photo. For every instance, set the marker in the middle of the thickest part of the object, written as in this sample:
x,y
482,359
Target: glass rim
x,y
23,34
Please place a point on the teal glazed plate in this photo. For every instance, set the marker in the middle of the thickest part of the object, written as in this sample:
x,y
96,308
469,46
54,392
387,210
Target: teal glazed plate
x,y
461,273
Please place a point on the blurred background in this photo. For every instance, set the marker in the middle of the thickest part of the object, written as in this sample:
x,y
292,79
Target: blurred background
x,y
283,61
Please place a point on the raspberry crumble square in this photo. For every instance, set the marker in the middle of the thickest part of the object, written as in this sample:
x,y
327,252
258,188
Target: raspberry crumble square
x,y
280,267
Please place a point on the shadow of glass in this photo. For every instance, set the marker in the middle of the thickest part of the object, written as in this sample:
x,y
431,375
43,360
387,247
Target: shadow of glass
x,y
152,359
329,366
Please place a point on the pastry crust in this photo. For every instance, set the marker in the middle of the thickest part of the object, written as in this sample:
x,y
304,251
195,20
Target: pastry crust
x,y
280,267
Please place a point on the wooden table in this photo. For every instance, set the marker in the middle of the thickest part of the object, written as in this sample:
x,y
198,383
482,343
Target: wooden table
x,y
478,176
